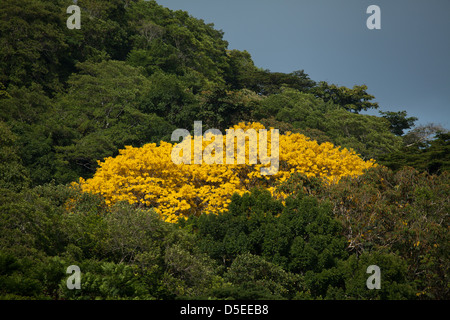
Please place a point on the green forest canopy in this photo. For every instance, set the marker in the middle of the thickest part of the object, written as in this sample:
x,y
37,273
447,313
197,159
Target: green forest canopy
x,y
133,73
137,70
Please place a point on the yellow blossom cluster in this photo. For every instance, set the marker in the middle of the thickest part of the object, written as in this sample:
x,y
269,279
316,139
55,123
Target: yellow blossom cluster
x,y
149,177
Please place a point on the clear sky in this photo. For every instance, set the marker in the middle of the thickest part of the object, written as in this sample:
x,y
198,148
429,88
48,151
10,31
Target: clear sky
x,y
405,64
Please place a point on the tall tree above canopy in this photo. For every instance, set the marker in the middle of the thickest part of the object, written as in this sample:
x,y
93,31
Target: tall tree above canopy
x,y
243,74
354,100
399,122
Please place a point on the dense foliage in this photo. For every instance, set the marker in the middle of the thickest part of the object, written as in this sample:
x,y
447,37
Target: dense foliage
x,y
86,117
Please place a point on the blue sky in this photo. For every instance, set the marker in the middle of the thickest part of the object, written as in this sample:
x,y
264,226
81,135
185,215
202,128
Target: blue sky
x,y
406,64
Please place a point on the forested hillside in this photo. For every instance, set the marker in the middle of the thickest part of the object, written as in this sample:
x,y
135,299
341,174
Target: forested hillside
x,y
86,117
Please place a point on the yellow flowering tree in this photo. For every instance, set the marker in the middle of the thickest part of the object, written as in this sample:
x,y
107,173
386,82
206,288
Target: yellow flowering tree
x,y
148,177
